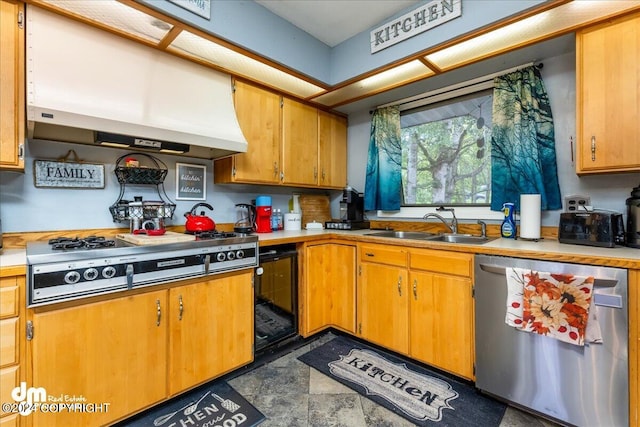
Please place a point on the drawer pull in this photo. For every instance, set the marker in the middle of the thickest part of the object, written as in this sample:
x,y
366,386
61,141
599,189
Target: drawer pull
x,y
181,307
400,285
158,312
369,254
415,289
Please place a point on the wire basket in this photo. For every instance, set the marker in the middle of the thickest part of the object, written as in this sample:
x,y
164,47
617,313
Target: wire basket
x,y
148,210
154,174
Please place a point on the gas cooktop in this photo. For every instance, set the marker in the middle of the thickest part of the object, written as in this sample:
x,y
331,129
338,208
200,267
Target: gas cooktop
x,y
71,268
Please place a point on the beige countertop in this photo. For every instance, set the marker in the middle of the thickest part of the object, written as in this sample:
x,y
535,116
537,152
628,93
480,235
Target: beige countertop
x,y
543,249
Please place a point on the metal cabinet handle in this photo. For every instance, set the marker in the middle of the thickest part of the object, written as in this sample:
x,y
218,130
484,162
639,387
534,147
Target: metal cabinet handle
x,y
593,148
180,307
415,289
158,312
129,273
369,254
275,168
315,172
400,285
324,175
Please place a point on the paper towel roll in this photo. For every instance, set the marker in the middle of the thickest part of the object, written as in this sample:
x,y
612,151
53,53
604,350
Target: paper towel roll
x,y
530,216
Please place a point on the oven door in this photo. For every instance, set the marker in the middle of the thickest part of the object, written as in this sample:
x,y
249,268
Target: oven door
x,y
276,299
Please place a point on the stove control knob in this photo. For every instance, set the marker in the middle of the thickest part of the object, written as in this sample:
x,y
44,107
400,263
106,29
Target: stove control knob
x,y
221,256
90,274
231,255
108,272
239,254
72,277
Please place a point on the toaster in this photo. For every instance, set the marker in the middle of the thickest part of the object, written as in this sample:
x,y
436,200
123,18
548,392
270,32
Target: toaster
x,y
596,228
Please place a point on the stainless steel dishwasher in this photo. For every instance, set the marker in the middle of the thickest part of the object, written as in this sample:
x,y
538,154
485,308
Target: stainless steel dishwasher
x,y
577,385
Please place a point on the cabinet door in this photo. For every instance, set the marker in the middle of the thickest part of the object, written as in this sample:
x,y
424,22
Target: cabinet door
x,y
299,143
384,306
211,325
11,84
332,145
329,293
608,97
258,113
441,322
110,352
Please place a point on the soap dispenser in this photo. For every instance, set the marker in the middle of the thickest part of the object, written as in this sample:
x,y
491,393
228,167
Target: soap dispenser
x,y
508,228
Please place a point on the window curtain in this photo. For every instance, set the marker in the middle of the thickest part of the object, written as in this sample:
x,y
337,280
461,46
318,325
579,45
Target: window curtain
x,y
523,154
384,180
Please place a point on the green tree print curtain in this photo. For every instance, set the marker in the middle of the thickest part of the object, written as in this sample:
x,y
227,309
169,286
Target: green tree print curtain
x,y
523,154
384,180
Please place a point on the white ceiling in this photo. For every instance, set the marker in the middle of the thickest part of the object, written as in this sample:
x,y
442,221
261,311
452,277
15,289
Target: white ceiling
x,y
334,21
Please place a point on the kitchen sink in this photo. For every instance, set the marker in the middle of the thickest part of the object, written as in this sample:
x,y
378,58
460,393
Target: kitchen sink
x,y
404,234
461,238
423,235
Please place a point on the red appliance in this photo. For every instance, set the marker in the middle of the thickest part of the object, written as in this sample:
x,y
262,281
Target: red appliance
x,y
263,214
263,219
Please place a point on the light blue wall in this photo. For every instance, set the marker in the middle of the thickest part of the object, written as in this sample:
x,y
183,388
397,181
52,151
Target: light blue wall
x,y
23,207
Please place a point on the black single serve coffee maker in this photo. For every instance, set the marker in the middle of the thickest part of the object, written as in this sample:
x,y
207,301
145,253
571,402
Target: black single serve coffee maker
x,y
351,212
633,218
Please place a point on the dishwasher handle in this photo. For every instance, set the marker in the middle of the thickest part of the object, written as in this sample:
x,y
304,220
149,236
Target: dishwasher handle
x,y
496,269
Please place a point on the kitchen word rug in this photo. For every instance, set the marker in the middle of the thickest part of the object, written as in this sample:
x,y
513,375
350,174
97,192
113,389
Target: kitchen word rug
x,y
420,395
211,405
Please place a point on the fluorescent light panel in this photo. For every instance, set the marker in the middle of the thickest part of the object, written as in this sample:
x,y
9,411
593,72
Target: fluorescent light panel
x,y
401,74
532,28
117,15
203,49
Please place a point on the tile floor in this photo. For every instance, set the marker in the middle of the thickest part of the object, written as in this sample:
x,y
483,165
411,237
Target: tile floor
x,y
290,393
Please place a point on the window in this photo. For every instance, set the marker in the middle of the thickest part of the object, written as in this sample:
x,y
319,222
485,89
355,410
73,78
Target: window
x,y
445,152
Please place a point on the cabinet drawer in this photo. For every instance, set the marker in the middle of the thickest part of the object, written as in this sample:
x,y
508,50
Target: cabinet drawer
x,y
8,341
383,255
441,262
8,299
8,381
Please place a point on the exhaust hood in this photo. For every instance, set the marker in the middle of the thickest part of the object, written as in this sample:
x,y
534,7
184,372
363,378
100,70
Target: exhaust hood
x,y
85,85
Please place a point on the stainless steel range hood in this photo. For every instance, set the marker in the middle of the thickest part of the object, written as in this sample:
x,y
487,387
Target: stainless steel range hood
x,y
89,86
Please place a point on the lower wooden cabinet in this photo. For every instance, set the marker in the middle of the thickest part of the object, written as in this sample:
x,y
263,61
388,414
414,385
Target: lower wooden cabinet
x,y
111,352
129,353
418,302
12,366
211,326
328,289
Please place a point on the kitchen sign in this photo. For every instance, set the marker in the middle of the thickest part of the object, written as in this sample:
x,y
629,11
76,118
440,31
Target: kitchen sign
x,y
419,20
191,182
199,7
65,174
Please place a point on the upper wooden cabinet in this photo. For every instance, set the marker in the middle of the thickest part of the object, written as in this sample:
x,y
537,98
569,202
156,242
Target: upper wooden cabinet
x,y
332,150
290,143
12,119
608,97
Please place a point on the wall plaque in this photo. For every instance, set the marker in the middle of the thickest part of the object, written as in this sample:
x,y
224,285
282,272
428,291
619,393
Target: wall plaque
x,y
191,182
417,21
199,7
62,173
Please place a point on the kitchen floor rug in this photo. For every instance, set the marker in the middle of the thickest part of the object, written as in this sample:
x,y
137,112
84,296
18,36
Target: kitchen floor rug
x,y
418,394
216,404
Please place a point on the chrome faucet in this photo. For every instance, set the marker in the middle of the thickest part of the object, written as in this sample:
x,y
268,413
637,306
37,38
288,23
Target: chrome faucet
x,y
454,221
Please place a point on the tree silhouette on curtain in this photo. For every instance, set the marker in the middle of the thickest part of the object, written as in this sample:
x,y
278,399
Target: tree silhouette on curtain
x,y
523,155
384,179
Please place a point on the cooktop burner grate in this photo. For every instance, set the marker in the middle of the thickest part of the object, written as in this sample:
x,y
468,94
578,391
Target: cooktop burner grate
x,y
208,235
90,242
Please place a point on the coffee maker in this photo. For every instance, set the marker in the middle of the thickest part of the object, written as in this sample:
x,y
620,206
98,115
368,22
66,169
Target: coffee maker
x,y
351,212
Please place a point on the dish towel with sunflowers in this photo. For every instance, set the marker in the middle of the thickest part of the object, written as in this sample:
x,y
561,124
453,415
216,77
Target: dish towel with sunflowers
x,y
555,305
